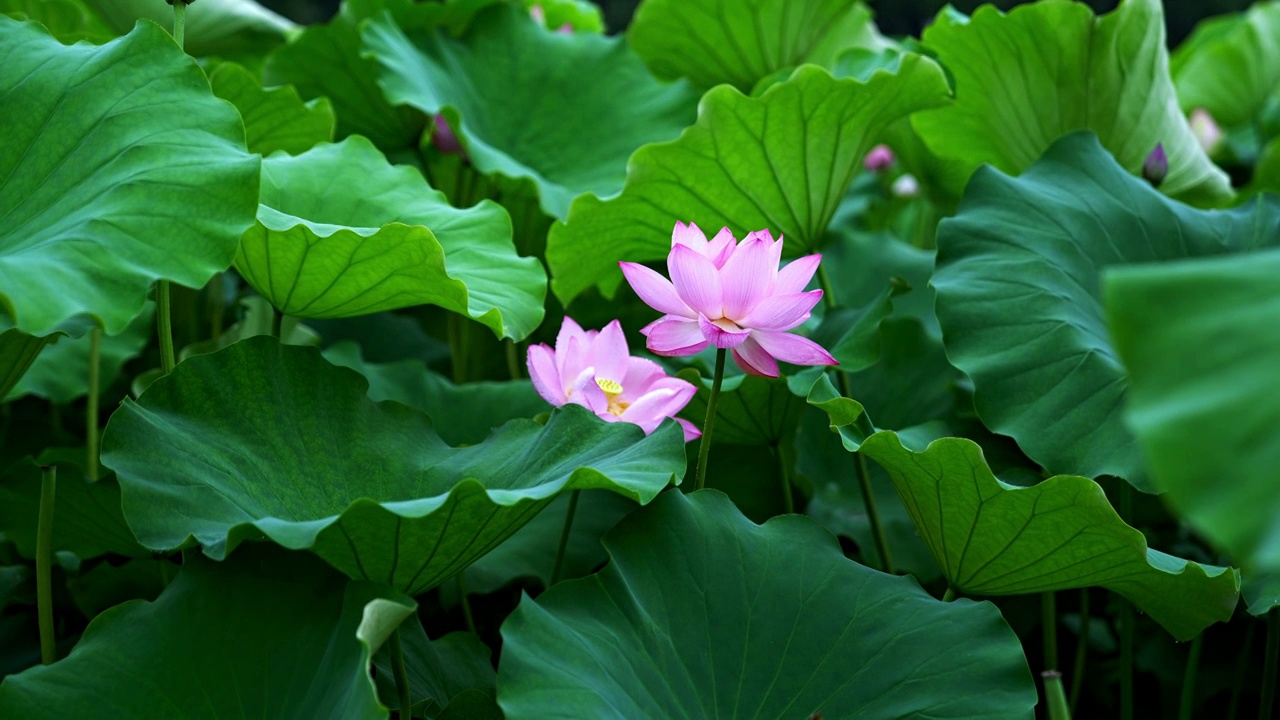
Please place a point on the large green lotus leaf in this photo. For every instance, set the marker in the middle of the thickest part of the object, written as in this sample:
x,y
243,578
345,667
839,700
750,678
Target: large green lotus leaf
x,y
461,414
703,614
121,168
67,20
107,585
268,634
1050,68
320,250
993,538
1230,65
751,410
565,110
61,372
18,352
229,28
275,118
711,42
87,518
1199,340
438,669
781,161
1020,300
269,439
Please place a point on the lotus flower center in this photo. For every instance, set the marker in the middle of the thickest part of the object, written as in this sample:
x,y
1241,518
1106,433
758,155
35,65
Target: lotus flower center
x,y
727,325
612,389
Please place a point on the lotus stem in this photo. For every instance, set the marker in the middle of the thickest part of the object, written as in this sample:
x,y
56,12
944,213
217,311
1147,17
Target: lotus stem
x,y
1270,666
1082,649
179,21
557,570
402,676
1126,623
44,564
163,318
91,409
465,602
1242,671
784,472
217,307
704,447
1185,708
949,595
1049,619
513,359
1055,699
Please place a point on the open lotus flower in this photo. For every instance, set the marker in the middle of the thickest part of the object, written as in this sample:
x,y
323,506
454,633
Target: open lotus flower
x,y
595,369
730,295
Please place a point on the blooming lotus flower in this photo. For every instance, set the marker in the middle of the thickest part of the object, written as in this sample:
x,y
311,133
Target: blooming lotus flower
x,y
879,158
595,369
733,296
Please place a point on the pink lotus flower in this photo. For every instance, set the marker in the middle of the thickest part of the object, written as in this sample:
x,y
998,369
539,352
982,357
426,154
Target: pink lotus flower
x,y
730,295
879,158
595,369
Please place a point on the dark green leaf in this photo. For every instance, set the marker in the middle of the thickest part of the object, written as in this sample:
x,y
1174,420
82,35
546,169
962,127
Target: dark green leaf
x,y
275,118
751,410
438,669
61,373
18,351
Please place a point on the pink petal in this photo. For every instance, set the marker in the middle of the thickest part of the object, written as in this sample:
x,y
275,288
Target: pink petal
x,y
746,276
656,291
545,376
684,392
587,393
689,235
691,431
721,247
782,312
792,348
675,336
650,410
569,329
720,337
641,376
571,357
796,275
609,353
696,279
754,360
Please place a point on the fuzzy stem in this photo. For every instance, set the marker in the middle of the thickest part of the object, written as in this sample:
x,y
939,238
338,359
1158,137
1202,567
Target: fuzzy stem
x,y
1189,679
91,408
1049,619
402,675
44,564
1271,661
557,570
1082,649
704,447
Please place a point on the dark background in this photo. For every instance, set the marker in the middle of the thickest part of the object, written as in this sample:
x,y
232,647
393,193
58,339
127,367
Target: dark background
x,y
895,17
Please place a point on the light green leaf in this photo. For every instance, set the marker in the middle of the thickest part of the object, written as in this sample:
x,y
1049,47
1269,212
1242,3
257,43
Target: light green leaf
x,y
275,118
267,439
320,250
121,168
563,110
711,616
1230,65
266,634
1199,340
67,20
61,373
780,161
462,414
438,669
1046,69
227,28
1020,300
711,42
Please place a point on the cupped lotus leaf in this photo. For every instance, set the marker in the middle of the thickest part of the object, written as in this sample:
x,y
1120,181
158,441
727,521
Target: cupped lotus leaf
x,y
269,439
18,352
565,110
322,250
121,168
781,161
268,633
274,118
1043,70
1020,296
438,670
781,625
993,538
461,414
1230,65
61,372
1199,341
227,28
712,42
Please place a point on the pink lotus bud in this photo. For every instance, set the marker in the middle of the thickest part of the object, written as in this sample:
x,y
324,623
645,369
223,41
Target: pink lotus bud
x,y
879,158
731,295
1156,166
443,138
1207,132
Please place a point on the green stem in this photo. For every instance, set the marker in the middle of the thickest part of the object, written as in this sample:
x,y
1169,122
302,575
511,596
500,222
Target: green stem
x,y
217,307
513,359
1049,619
1189,679
704,447
165,321
1082,649
466,603
402,675
1242,671
558,568
1126,623
91,409
784,472
277,322
1270,663
1055,699
949,595
44,564
179,21
457,349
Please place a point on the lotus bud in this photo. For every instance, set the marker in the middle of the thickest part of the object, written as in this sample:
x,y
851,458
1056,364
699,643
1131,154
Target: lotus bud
x,y
880,158
1156,166
1206,130
444,139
